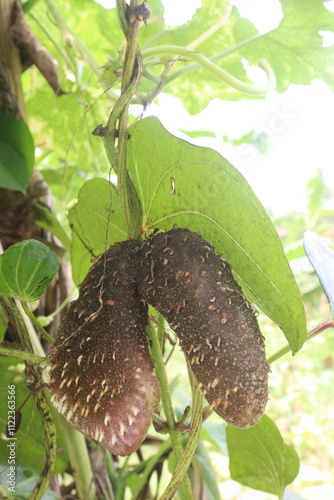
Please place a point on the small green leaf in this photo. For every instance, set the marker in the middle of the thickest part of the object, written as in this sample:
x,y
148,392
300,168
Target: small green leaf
x,y
322,259
190,186
260,459
27,268
97,222
17,153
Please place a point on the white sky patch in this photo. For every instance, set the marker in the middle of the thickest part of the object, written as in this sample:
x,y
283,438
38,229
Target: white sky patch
x,y
328,38
329,5
178,12
264,14
107,4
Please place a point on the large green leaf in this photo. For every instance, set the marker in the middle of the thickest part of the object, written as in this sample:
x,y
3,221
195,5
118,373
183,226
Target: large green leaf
x,y
26,269
295,48
260,459
97,222
17,153
213,198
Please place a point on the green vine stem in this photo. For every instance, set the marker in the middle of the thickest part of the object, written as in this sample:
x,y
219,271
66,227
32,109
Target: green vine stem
x,y
79,460
155,335
321,327
144,476
118,123
33,383
190,448
131,77
25,356
36,323
164,81
210,66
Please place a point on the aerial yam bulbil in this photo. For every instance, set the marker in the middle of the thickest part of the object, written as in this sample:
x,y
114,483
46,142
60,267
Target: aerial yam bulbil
x,y
102,379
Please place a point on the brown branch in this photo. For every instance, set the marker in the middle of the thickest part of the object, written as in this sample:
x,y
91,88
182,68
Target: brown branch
x,y
32,51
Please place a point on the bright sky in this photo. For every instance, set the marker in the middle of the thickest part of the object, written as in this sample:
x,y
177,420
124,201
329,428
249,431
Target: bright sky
x,y
298,124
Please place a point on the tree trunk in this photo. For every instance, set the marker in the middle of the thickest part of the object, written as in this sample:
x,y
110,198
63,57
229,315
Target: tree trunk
x,y
11,93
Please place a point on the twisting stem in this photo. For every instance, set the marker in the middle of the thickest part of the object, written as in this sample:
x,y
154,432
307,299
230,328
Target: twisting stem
x,y
33,381
132,71
167,405
216,70
190,448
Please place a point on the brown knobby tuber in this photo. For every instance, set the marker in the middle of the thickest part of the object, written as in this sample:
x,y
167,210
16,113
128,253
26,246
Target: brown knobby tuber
x,y
102,378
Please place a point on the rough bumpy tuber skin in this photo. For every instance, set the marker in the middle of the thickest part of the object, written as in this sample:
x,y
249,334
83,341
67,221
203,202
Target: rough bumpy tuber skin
x,y
194,289
102,379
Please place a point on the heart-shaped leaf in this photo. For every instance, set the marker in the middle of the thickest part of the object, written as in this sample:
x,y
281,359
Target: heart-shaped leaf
x,y
189,186
260,459
26,269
